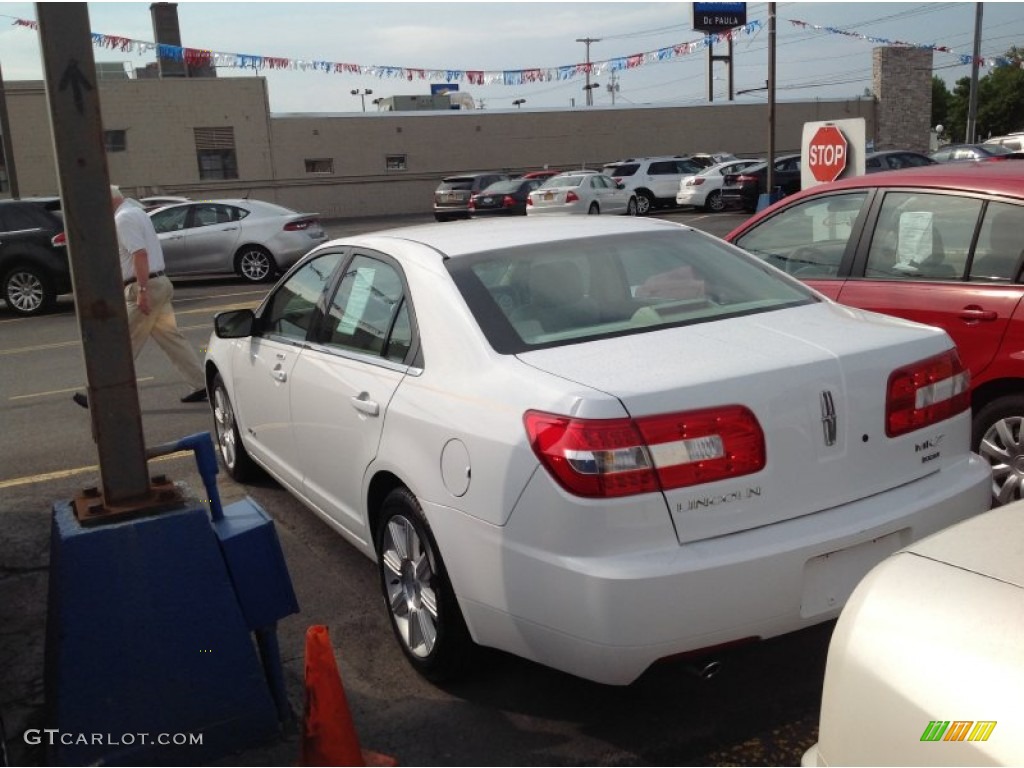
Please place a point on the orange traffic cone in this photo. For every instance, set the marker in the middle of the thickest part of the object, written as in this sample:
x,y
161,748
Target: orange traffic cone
x,y
329,735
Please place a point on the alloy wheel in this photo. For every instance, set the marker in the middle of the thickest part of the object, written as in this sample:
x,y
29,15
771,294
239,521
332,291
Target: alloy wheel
x,y
25,292
1002,446
224,424
409,578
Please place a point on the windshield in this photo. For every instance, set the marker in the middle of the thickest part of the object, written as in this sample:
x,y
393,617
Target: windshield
x,y
565,292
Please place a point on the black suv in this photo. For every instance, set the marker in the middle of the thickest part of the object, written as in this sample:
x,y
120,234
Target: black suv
x,y
744,188
452,196
33,271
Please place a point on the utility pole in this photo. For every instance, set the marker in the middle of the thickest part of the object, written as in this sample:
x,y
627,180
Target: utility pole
x,y
613,86
587,41
972,105
770,170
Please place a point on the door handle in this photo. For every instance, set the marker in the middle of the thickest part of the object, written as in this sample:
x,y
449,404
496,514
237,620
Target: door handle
x,y
229,229
975,314
364,404
278,374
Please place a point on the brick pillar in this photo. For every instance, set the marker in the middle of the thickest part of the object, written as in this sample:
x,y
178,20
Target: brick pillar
x,y
902,80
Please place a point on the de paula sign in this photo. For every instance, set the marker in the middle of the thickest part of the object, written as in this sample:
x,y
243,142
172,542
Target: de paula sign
x,y
718,17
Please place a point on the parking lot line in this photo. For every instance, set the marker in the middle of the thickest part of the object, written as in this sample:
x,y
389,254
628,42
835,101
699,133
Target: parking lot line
x,y
60,474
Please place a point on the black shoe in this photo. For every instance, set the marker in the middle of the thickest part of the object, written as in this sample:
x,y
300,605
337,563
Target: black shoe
x,y
199,396
80,399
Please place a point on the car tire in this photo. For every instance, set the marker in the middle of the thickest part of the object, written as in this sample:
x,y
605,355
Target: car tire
x,y
714,203
594,210
631,207
28,290
255,264
233,456
418,595
998,436
644,203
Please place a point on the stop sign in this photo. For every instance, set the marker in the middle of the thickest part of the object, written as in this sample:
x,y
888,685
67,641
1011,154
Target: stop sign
x,y
826,153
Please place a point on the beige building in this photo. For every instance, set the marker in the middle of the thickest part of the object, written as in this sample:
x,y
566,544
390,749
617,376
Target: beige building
x,y
215,137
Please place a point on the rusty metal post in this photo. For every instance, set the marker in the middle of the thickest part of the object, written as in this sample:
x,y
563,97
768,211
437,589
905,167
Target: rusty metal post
x,y
73,97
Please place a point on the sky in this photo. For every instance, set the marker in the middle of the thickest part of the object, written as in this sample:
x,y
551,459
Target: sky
x,y
827,56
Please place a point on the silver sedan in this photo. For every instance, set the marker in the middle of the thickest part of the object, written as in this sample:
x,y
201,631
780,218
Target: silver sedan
x,y
251,238
581,192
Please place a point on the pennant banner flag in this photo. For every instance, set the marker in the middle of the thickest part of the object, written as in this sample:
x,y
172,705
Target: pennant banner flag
x,y
992,61
515,77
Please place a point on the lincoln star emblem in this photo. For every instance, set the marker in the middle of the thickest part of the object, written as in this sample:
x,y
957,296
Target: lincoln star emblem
x,y
828,418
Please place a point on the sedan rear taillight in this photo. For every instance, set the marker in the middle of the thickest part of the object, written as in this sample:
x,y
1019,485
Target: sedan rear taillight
x,y
508,202
59,241
622,457
925,393
741,179
472,203
298,226
571,197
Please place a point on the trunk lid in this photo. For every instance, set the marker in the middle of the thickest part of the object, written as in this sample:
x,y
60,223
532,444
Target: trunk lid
x,y
816,379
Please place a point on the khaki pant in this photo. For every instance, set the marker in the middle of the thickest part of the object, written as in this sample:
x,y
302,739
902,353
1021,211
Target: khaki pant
x,y
161,324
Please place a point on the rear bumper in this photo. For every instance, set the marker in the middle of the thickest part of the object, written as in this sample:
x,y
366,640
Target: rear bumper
x,y
607,618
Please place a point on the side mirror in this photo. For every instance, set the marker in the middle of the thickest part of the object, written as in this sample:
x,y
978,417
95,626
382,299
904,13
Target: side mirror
x,y
234,324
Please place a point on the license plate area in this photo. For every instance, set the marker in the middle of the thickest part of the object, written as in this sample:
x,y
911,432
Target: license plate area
x,y
830,579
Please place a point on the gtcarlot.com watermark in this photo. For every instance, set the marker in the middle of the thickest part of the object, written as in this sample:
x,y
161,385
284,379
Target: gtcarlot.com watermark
x,y
54,736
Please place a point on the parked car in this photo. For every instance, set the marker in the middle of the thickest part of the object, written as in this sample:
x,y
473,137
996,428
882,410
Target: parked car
x,y
451,198
504,198
159,201
592,444
925,664
704,189
34,270
581,192
894,159
1012,141
942,245
251,238
954,153
654,180
743,189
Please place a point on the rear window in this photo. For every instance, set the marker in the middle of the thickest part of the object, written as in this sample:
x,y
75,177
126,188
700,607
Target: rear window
x,y
503,187
622,170
558,293
565,181
463,183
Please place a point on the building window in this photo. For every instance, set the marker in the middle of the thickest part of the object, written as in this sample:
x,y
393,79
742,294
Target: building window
x,y
320,165
395,163
115,141
215,151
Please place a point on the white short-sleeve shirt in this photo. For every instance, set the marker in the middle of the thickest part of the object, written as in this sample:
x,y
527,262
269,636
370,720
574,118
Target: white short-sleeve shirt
x,y
135,232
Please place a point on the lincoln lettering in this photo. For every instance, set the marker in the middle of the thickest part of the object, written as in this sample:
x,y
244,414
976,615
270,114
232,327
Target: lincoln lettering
x,y
718,499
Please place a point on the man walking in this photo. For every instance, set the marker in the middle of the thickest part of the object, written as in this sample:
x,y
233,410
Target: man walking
x,y
148,294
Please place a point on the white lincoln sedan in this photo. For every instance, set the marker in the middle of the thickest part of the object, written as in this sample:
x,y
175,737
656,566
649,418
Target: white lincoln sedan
x,y
595,443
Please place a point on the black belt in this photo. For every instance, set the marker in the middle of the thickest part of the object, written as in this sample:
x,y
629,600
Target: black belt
x,y
131,280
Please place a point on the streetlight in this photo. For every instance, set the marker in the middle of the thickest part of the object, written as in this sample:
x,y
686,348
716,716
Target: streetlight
x,y
519,103
362,93
589,88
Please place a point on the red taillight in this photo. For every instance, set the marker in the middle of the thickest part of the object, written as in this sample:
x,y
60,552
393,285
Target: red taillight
x,y
508,202
622,457
298,226
927,392
571,197
529,200
59,241
472,203
745,179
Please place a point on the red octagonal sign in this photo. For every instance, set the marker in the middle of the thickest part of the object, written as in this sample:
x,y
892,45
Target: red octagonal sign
x,y
827,153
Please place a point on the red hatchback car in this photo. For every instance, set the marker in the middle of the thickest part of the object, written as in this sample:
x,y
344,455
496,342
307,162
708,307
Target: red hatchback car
x,y
941,245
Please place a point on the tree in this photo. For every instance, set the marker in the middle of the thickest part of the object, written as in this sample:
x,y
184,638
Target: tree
x,y
1000,101
940,102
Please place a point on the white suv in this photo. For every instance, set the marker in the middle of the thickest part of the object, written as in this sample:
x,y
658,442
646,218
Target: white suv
x,y
654,180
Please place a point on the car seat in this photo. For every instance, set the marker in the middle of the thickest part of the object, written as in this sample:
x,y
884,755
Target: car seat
x,y
557,298
1006,246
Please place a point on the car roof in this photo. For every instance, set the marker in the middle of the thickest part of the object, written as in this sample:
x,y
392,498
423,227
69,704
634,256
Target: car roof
x,y
470,237
1006,177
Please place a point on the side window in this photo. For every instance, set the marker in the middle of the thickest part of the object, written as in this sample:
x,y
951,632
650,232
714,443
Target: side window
x,y
292,308
1000,244
365,307
807,239
922,236
661,168
170,220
